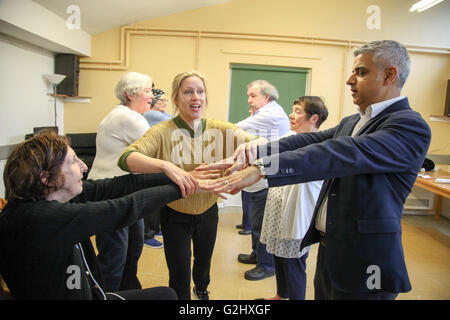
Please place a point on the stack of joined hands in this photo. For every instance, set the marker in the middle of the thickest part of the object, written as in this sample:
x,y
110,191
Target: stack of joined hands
x,y
238,171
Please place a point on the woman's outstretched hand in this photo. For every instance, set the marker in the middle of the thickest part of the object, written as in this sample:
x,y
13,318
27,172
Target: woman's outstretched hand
x,y
229,166
186,181
233,183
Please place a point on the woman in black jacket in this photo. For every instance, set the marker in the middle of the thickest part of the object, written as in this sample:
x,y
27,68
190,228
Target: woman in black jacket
x,y
51,213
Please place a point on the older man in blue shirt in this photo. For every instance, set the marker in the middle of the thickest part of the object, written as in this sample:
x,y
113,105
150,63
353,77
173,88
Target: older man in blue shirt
x,y
268,120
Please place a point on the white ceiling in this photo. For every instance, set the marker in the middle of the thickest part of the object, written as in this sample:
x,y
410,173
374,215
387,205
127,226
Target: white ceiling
x,y
101,15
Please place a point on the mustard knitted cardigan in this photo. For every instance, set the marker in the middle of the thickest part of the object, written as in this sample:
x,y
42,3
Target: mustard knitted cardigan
x,y
176,142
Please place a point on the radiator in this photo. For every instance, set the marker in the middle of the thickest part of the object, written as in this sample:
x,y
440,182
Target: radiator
x,y
420,199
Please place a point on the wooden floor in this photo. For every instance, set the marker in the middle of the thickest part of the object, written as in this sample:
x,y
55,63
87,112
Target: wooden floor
x,y
427,251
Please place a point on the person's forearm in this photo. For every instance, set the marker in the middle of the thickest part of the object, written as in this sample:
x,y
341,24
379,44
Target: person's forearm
x,y
139,163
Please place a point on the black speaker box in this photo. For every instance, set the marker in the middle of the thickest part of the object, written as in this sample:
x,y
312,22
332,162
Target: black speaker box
x,y
447,100
69,65
52,128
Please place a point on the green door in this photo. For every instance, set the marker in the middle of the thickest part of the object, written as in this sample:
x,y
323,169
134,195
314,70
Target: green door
x,y
290,83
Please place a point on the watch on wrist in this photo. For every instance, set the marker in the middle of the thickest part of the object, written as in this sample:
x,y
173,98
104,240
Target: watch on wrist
x,y
258,163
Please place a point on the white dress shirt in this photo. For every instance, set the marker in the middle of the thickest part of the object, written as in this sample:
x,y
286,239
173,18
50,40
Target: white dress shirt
x,y
270,122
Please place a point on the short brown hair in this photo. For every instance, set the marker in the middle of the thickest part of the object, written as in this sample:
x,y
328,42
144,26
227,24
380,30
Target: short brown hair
x,y
32,160
313,105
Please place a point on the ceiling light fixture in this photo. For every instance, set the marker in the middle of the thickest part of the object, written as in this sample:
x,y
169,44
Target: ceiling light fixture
x,y
424,5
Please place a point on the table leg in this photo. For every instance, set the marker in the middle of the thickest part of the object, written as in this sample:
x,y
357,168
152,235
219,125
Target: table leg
x,y
437,206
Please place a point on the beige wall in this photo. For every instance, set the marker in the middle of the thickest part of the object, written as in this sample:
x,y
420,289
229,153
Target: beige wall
x,y
270,33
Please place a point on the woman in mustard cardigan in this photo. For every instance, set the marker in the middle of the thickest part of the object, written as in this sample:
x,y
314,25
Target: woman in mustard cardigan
x,y
185,142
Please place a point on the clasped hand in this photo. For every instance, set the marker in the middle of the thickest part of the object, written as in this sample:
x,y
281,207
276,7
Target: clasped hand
x,y
238,174
190,182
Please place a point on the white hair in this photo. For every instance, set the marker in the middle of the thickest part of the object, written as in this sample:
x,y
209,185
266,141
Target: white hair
x,y
265,88
132,83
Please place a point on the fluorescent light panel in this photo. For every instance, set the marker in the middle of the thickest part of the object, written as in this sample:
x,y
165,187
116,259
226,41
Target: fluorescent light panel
x,y
424,5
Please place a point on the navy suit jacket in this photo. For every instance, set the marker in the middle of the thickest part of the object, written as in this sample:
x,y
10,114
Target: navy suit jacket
x,y
367,178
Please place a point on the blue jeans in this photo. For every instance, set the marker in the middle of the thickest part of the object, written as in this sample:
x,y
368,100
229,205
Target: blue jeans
x,y
118,255
246,205
264,259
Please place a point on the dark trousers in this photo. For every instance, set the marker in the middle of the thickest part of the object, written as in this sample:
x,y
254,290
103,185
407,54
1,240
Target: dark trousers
x,y
118,255
152,224
324,290
258,203
179,230
291,277
246,205
157,293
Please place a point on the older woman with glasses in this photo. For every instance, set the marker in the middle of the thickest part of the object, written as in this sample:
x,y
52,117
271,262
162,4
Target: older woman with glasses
x,y
157,112
155,115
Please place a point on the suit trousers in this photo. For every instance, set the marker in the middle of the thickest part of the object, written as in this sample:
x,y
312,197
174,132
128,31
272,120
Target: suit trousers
x,y
258,204
179,230
118,256
291,277
324,289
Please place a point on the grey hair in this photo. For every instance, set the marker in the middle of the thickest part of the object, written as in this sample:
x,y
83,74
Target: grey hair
x,y
387,53
265,88
132,83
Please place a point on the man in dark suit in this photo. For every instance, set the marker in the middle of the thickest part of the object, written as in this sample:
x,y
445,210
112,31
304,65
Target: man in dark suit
x,y
369,162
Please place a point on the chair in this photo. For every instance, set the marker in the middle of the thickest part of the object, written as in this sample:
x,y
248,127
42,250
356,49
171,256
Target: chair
x,y
4,291
84,144
2,203
5,294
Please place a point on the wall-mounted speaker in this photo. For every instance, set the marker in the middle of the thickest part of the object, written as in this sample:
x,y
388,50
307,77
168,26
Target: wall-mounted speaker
x,y
69,65
447,100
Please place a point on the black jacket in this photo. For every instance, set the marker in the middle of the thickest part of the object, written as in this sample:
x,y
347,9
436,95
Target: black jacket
x,y
39,258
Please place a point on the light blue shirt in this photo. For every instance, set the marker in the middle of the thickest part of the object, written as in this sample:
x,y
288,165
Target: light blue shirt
x,y
155,116
270,122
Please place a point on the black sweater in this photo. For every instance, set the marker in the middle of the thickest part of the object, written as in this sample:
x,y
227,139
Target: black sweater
x,y
38,254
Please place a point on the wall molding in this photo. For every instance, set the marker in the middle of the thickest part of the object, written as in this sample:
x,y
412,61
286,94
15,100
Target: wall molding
x,y
127,31
267,55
